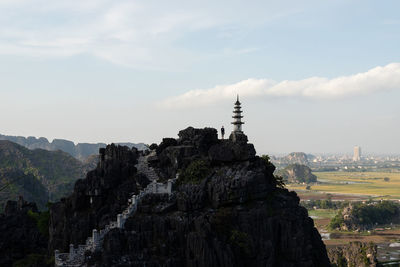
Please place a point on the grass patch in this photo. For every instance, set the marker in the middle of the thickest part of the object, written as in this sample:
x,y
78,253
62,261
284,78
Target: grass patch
x,y
195,172
323,213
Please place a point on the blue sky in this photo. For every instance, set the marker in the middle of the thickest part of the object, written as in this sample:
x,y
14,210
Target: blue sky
x,y
314,76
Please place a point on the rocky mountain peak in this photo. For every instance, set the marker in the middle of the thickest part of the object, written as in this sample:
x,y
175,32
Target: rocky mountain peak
x,y
224,209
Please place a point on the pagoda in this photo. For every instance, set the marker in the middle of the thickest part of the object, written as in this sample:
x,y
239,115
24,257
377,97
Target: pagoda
x,y
237,134
237,117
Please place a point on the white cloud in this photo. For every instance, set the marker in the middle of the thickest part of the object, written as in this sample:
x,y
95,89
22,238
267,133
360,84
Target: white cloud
x,y
374,80
143,34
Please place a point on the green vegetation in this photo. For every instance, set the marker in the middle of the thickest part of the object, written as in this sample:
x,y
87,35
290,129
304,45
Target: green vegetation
x,y
224,225
42,221
267,160
336,221
381,213
195,172
33,173
368,214
15,182
323,204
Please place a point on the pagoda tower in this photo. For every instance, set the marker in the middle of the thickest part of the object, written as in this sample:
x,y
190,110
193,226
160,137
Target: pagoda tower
x,y
237,117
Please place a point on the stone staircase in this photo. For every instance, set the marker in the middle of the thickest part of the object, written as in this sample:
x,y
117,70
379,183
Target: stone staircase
x,y
144,168
76,256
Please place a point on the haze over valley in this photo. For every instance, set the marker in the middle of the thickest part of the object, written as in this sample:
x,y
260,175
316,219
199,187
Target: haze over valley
x,y
182,133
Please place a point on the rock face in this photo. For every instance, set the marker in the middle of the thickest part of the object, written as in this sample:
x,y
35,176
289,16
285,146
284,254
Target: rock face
x,y
96,199
296,173
226,209
297,157
355,254
19,235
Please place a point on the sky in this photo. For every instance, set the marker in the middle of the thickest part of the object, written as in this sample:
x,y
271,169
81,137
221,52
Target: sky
x,y
313,76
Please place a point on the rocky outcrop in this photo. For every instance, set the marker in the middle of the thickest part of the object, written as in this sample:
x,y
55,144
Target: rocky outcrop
x,y
97,199
296,173
193,144
293,158
225,209
354,254
297,157
19,234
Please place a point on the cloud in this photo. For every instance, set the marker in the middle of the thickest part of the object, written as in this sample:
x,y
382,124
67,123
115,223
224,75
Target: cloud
x,y
141,34
374,80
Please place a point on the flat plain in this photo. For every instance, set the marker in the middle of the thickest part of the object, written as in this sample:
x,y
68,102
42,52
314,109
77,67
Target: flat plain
x,y
384,185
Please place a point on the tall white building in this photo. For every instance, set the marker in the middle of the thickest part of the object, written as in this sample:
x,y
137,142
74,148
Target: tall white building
x,y
357,153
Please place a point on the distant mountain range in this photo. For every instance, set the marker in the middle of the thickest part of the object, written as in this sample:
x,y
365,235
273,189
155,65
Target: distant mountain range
x,y
79,151
38,175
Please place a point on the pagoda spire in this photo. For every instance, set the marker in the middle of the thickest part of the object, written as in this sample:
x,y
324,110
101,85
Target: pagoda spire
x,y
237,117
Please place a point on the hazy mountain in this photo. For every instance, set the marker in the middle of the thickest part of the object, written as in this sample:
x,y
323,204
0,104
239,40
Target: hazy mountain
x,y
80,151
38,175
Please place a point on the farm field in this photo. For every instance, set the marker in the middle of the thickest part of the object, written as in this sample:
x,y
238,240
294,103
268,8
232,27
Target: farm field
x,y
357,184
354,186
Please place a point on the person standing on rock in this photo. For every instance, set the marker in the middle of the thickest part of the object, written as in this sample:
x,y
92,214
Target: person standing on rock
x,y
222,131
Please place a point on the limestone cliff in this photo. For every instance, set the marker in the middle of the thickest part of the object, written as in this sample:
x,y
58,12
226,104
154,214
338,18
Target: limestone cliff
x,y
297,173
96,199
225,209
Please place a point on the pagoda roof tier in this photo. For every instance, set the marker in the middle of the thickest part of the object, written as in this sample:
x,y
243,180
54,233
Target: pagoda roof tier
x,y
237,116
237,122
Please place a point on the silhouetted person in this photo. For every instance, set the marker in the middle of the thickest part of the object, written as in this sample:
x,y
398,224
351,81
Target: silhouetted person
x,y
222,132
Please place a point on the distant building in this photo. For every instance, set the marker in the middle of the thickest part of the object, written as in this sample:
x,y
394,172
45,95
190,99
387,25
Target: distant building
x,y
357,153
